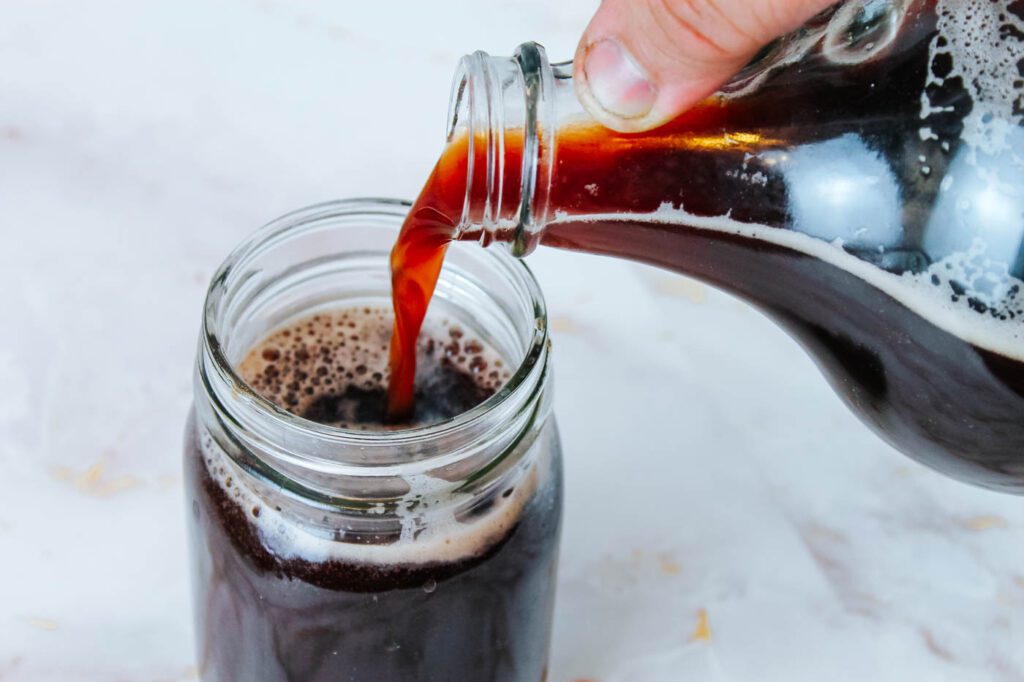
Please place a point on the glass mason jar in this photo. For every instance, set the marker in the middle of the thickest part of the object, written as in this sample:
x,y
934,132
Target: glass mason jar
x,y
860,182
318,553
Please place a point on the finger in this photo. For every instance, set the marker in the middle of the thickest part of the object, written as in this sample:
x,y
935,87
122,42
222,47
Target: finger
x,y
641,63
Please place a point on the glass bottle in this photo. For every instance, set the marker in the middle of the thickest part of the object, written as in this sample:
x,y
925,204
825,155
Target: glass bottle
x,y
324,554
861,181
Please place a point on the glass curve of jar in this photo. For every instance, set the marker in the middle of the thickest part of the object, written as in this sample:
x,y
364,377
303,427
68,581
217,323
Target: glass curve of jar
x,y
322,554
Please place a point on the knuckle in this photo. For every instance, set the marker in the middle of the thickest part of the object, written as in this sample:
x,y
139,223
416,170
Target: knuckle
x,y
689,22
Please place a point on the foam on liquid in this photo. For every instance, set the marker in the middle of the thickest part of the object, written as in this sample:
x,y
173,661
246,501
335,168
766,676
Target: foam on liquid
x,y
427,535
314,361
928,293
980,40
356,343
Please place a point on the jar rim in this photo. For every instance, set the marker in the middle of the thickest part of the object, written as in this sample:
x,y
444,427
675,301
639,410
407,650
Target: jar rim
x,y
248,400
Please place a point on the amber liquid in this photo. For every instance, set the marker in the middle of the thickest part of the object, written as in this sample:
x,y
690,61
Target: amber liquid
x,y
940,399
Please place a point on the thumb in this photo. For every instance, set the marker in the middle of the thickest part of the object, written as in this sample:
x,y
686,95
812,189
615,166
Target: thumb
x,y
641,63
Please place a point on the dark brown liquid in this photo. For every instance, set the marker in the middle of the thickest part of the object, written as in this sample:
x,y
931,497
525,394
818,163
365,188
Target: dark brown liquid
x,y
332,368
936,396
266,616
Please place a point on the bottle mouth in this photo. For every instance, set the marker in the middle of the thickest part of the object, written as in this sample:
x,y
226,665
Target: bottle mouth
x,y
499,103
330,255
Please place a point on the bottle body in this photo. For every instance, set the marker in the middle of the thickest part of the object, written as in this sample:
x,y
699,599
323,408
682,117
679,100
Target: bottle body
x,y
322,553
861,183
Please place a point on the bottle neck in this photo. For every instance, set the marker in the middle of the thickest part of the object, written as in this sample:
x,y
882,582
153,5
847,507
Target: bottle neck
x,y
503,115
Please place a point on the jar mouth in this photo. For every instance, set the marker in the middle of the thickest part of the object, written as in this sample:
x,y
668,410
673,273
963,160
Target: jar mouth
x,y
341,450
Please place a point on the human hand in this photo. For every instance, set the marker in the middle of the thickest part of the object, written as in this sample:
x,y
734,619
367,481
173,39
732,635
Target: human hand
x,y
641,63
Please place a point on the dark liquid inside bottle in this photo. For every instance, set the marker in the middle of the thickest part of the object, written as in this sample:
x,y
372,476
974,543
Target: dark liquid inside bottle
x,y
818,196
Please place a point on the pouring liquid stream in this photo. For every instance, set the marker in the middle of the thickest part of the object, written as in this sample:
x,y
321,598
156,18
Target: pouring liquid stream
x,y
832,199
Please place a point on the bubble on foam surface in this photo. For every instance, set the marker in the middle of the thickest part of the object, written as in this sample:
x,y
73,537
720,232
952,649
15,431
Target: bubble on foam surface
x,y
981,43
332,368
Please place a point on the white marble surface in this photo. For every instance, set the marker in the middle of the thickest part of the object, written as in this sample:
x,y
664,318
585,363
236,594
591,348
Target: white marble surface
x,y
710,469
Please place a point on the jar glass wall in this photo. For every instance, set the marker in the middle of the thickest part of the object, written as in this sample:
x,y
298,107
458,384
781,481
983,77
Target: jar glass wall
x,y
319,553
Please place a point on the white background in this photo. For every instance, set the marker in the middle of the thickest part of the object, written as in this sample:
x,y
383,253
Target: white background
x,y
710,469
